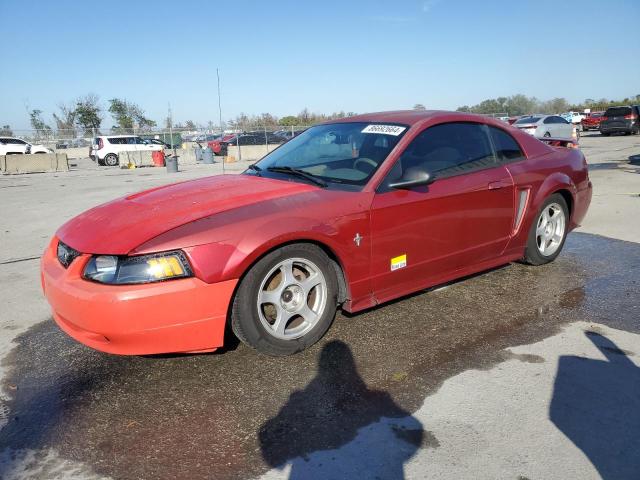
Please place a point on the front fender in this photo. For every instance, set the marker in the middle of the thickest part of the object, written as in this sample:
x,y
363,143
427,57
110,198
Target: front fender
x,y
230,259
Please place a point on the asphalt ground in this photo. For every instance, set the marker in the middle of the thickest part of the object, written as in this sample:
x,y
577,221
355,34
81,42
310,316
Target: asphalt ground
x,y
517,373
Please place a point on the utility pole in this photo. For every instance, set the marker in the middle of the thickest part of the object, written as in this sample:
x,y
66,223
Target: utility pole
x,y
220,113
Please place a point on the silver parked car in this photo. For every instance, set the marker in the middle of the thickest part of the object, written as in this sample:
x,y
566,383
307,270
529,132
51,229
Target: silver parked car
x,y
540,126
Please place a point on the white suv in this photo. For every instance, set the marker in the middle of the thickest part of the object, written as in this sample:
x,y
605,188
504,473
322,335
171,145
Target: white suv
x,y
11,146
106,148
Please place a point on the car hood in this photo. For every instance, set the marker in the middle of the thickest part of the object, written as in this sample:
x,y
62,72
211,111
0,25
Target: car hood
x,y
118,227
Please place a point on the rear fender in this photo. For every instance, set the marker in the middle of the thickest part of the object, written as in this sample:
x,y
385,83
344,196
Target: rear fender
x,y
555,182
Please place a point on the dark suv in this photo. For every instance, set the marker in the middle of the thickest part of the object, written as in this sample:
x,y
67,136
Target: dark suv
x,y
621,119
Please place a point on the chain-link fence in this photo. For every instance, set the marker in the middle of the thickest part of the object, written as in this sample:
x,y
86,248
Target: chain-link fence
x,y
242,142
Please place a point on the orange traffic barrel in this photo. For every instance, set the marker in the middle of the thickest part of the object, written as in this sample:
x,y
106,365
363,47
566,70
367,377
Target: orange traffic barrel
x,y
158,159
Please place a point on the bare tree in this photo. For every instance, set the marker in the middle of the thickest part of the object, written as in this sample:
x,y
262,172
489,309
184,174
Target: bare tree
x,y
66,121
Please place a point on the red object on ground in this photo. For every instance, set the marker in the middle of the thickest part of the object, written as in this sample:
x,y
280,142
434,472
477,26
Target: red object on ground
x,y
458,226
158,159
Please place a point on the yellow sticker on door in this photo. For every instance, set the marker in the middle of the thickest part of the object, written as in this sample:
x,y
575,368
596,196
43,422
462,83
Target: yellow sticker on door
x,y
398,262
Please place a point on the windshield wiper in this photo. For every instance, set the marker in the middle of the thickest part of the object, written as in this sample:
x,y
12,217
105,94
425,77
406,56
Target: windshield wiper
x,y
299,173
255,168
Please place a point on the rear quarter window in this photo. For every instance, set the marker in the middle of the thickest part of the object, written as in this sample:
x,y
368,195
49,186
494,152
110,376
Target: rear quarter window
x,y
507,149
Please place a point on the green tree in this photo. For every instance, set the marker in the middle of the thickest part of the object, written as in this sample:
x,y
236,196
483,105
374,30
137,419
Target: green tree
x,y
555,105
88,114
190,125
288,121
6,131
419,106
128,115
35,118
520,104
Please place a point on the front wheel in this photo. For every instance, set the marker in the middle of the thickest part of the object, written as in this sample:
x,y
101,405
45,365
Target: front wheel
x,y
287,301
548,232
111,160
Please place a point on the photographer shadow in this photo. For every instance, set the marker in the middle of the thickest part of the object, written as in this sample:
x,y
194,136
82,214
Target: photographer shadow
x,y
596,404
338,428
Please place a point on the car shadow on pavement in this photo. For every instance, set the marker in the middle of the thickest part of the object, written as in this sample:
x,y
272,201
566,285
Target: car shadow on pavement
x,y
336,438
596,404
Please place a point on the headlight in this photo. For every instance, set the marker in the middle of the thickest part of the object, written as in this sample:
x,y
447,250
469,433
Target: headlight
x,y
139,269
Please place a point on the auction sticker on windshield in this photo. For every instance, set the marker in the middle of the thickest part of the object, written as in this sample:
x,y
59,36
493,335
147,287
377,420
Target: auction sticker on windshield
x,y
394,130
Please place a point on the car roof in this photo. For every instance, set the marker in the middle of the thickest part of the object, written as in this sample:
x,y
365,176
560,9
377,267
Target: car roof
x,y
407,117
118,136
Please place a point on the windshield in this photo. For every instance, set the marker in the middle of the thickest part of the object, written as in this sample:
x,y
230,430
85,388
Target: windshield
x,y
344,153
528,120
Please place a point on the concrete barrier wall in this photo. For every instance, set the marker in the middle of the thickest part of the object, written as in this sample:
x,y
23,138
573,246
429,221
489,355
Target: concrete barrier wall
x,y
186,156
36,163
250,152
137,158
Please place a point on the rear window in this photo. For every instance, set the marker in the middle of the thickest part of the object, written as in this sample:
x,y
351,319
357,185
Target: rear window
x,y
596,115
618,111
528,120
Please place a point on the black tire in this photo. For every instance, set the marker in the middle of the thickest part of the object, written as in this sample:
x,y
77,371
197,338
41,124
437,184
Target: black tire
x,y
245,320
605,134
111,160
532,254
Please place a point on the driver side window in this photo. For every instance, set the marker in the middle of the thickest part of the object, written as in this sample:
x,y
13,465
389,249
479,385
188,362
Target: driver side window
x,y
445,150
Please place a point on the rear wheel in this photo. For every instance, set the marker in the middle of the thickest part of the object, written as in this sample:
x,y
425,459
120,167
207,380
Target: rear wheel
x,y
111,159
548,232
604,134
287,301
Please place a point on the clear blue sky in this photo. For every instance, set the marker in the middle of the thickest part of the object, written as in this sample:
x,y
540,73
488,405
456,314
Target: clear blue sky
x,y
281,56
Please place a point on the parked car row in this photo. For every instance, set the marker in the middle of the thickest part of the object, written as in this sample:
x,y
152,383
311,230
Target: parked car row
x,y
620,119
72,143
220,145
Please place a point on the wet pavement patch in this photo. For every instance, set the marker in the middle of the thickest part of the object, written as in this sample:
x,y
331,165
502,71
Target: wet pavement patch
x,y
237,414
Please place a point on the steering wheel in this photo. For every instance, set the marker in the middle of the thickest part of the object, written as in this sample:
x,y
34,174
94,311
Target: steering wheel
x,y
369,165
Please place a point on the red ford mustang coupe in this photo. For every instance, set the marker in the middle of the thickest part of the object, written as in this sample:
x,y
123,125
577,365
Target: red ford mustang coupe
x,y
351,214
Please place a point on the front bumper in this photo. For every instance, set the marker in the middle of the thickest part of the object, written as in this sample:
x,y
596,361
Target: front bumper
x,y
186,315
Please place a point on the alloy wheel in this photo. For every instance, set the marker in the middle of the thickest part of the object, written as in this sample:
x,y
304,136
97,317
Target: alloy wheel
x,y
292,298
550,229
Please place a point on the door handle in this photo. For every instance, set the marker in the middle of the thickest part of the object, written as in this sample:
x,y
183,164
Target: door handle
x,y
496,185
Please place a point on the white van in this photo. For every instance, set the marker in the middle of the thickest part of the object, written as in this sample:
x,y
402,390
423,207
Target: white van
x,y
106,148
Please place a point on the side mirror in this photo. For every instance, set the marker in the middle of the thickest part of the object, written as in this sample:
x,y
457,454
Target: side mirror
x,y
413,178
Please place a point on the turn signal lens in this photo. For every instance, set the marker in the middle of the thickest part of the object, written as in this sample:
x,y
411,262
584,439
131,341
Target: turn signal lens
x,y
137,269
165,267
